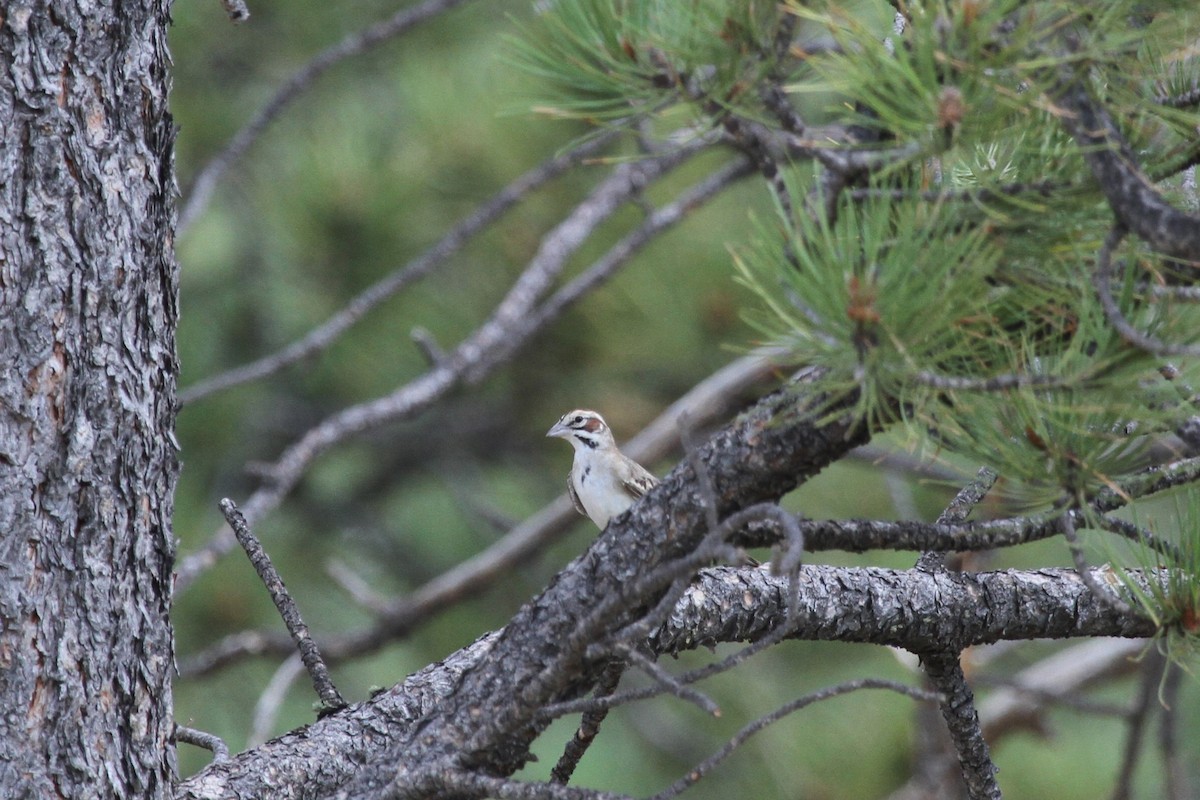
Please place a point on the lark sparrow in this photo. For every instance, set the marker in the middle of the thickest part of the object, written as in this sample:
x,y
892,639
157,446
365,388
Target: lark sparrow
x,y
603,481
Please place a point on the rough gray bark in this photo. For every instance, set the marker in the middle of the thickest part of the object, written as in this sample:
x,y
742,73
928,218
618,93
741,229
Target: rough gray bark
x,y
476,713
870,605
478,710
487,717
87,463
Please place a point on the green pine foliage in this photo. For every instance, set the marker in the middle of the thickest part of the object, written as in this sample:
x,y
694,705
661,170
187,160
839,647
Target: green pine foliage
x,y
953,290
950,287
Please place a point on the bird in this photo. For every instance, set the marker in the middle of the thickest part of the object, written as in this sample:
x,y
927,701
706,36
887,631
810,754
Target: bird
x,y
603,481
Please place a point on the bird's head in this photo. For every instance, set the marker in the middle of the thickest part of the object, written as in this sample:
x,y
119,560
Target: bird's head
x,y
583,429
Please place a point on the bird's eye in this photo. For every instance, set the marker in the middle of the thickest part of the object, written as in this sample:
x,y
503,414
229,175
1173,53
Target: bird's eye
x,y
577,420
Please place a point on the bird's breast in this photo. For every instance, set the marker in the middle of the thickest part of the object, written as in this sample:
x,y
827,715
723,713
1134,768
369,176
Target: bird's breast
x,y
602,495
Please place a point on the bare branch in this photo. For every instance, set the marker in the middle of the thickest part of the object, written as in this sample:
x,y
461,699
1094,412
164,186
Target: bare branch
x,y
401,22
944,670
1067,521
427,343
331,699
1069,699
1008,710
711,400
603,269
589,726
996,383
479,354
324,335
1137,205
1143,704
959,509
727,604
1102,280
1168,735
232,648
962,721
674,685
860,536
1073,669
678,571
356,586
731,661
270,701
1147,482
1133,533
201,739
910,609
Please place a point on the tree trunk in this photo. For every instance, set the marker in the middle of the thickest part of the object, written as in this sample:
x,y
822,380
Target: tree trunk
x,y
88,285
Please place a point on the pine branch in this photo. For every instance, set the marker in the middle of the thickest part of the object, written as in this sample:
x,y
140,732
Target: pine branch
x,y
902,608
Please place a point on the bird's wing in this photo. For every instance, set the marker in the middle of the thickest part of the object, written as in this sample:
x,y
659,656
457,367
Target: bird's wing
x,y
574,497
638,480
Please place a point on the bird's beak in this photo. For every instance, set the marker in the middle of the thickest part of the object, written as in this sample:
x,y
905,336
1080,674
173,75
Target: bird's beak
x,y
558,430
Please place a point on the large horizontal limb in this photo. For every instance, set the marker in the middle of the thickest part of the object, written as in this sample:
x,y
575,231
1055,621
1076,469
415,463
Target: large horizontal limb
x,y
906,608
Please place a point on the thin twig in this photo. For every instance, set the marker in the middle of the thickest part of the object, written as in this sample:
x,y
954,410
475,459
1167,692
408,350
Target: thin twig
x,y
1174,770
1125,528
1147,482
1130,194
996,383
673,685
270,701
957,511
712,548
1102,280
201,739
1079,558
427,343
678,571
589,726
1143,704
778,634
331,699
1066,699
401,22
605,615
620,253
696,773
356,586
1065,672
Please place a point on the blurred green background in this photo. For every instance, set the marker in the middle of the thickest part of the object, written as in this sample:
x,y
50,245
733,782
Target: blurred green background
x,y
372,164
